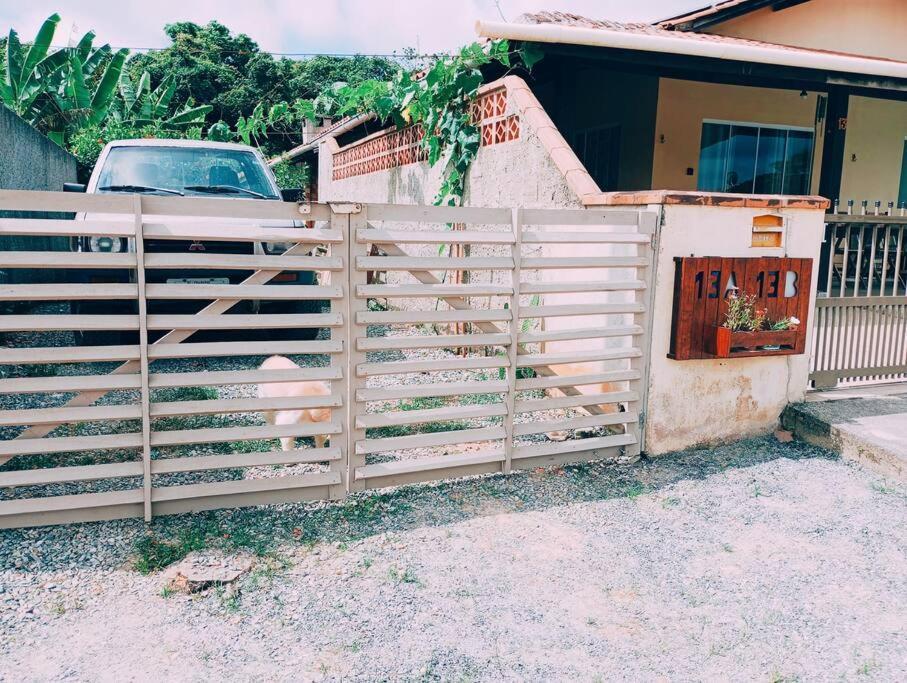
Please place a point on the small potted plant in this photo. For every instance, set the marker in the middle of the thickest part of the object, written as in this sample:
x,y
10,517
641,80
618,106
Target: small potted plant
x,y
748,331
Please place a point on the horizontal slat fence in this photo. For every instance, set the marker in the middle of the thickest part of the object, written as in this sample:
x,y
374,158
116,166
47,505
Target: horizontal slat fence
x,y
860,327
428,417
130,390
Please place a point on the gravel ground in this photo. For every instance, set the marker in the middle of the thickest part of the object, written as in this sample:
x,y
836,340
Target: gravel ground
x,y
754,561
232,363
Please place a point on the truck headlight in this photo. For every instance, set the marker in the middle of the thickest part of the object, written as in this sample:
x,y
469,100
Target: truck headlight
x,y
276,247
103,243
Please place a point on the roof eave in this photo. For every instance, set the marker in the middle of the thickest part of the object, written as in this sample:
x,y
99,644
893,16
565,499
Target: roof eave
x,y
683,45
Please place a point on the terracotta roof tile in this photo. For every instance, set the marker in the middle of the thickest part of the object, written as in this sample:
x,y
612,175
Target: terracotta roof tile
x,y
705,12
577,21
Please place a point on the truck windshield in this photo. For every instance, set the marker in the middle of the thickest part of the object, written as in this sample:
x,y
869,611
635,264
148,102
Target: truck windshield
x,y
187,170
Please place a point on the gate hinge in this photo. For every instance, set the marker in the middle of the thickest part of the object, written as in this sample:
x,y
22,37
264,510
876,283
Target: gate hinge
x,y
345,207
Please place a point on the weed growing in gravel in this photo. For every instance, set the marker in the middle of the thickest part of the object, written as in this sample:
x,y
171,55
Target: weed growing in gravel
x,y
167,592
229,599
407,576
866,668
154,554
780,678
881,487
634,490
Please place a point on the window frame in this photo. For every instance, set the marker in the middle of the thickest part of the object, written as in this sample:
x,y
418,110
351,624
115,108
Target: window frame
x,y
758,127
902,189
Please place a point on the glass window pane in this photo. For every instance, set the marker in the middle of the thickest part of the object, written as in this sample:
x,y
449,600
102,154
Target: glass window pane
x,y
799,159
770,161
741,162
713,156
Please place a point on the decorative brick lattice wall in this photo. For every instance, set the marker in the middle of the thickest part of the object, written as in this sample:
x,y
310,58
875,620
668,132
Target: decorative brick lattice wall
x,y
399,147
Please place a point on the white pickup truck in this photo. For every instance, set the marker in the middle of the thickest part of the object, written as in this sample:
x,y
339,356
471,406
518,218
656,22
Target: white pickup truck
x,y
188,168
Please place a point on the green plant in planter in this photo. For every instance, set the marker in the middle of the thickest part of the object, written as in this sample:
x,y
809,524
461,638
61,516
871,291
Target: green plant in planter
x,y
743,316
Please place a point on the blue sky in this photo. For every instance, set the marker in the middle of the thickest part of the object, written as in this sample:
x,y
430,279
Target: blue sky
x,y
336,26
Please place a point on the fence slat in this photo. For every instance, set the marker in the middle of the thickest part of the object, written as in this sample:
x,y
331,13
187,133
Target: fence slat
x,y
205,463
241,262
244,292
431,341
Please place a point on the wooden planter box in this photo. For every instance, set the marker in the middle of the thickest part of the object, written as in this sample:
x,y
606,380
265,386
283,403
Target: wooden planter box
x,y
723,343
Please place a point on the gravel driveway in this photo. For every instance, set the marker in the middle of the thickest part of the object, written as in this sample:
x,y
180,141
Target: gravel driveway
x,y
755,561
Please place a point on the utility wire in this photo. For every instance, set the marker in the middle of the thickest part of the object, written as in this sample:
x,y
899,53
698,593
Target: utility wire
x,y
399,55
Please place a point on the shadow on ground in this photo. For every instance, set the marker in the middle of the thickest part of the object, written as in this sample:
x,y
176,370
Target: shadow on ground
x,y
268,529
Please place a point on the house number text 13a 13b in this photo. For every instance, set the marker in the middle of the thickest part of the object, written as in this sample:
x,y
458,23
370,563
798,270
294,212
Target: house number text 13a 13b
x,y
703,286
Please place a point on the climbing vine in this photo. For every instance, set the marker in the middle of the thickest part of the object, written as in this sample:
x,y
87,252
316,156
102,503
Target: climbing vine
x,y
437,100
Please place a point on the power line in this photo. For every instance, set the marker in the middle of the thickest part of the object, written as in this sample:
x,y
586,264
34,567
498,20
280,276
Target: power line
x,y
398,55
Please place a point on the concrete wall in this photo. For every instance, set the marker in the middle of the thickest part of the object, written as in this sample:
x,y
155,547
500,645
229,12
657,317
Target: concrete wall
x,y
515,173
864,27
873,150
710,401
682,106
29,160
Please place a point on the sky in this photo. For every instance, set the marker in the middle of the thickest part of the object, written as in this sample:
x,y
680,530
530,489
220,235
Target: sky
x,y
305,26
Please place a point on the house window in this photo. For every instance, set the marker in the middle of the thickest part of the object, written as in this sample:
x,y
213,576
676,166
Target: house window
x,y
599,150
751,158
902,195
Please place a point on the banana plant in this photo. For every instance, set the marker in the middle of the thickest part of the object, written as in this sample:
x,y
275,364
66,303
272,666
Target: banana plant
x,y
51,90
30,74
139,105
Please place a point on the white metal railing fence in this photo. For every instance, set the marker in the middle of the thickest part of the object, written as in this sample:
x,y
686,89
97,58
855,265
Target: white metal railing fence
x,y
862,302
168,421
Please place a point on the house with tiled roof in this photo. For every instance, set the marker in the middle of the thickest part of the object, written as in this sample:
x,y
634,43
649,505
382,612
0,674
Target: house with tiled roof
x,y
734,127
749,97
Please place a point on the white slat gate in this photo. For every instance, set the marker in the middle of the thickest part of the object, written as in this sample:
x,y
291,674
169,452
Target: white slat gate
x,y
555,308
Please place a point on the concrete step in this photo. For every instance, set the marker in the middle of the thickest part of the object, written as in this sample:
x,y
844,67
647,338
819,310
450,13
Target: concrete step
x,y
865,424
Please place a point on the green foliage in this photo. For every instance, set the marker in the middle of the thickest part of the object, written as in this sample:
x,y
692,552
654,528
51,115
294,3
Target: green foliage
x,y
61,91
139,106
438,102
291,176
210,64
83,97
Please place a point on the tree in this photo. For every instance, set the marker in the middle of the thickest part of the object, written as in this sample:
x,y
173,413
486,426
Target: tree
x,y
230,72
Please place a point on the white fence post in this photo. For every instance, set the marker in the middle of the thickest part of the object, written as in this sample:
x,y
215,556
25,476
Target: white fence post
x,y
143,356
340,221
516,251
355,331
648,225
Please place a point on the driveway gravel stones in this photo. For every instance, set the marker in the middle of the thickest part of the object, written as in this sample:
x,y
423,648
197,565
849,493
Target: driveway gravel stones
x,y
753,561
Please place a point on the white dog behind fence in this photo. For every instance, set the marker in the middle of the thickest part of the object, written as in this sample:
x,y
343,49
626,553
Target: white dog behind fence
x,y
288,389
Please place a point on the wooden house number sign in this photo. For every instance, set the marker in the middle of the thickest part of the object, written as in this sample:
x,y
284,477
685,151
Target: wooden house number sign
x,y
702,287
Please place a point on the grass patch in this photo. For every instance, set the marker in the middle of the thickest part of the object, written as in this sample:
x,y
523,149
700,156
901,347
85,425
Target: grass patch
x,y
634,490
154,554
183,394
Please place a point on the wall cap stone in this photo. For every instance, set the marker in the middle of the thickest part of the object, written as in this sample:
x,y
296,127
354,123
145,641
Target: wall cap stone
x,y
720,199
